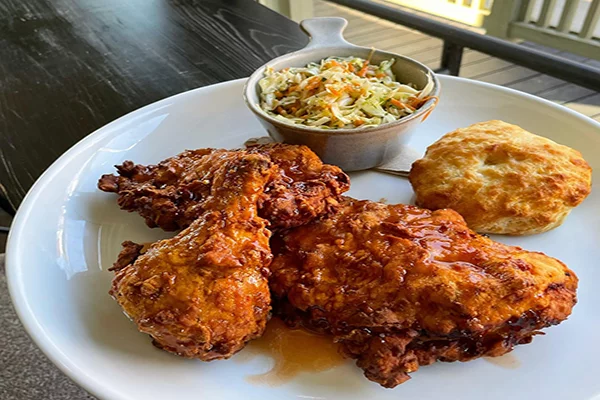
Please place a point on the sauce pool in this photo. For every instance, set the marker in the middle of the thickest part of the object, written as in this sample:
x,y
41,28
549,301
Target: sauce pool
x,y
296,351
509,361
293,351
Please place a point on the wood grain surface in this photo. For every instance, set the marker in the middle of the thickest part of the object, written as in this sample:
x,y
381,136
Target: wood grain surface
x,y
68,67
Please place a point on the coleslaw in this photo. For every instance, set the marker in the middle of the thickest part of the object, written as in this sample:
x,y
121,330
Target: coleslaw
x,y
339,93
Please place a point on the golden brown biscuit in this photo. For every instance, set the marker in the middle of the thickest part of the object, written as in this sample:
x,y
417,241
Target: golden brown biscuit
x,y
501,178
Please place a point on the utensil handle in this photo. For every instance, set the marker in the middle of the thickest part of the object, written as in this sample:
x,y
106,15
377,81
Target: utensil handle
x,y
325,31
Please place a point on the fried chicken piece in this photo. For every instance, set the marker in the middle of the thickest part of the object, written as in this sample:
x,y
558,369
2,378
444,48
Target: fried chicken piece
x,y
204,293
400,287
172,194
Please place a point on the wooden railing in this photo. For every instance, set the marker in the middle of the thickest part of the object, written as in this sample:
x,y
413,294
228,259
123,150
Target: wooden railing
x,y
570,25
470,12
456,39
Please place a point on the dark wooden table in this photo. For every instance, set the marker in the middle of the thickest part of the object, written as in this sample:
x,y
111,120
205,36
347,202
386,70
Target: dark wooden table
x,y
68,67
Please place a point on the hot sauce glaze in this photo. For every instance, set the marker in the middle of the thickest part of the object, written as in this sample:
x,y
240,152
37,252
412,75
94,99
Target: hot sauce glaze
x,y
293,351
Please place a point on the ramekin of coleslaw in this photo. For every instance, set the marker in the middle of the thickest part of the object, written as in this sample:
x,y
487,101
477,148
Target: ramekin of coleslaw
x,y
354,106
339,92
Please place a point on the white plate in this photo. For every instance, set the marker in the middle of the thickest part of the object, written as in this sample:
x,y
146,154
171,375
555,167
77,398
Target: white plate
x,y
67,233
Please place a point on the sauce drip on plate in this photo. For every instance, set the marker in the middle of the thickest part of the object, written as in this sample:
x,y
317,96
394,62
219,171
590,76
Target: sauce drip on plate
x,y
509,361
293,351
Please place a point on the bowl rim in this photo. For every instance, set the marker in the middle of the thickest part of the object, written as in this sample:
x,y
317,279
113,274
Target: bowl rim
x,y
252,81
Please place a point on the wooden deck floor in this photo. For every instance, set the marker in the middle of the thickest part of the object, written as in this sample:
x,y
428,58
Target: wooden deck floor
x,y
366,30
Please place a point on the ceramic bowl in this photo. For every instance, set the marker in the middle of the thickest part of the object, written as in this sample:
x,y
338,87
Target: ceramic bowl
x,y
351,149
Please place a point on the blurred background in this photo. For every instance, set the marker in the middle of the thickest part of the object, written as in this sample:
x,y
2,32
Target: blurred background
x,y
566,28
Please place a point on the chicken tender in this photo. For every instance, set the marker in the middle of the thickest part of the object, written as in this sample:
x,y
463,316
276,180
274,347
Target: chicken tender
x,y
400,287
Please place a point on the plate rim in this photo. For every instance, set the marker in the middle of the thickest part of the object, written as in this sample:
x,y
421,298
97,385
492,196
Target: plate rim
x,y
13,267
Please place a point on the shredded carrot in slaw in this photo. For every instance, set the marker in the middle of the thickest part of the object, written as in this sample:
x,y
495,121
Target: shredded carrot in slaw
x,y
340,93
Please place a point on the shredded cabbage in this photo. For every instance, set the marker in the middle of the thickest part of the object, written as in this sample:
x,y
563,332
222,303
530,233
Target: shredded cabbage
x,y
339,93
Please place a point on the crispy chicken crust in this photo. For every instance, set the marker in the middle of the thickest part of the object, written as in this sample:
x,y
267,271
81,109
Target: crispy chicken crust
x,y
204,293
399,287
171,195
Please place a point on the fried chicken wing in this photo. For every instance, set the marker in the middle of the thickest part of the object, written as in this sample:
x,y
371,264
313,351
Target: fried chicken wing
x,y
400,287
172,194
204,293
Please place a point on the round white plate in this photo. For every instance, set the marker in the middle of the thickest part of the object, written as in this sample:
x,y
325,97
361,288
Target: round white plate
x,y
67,233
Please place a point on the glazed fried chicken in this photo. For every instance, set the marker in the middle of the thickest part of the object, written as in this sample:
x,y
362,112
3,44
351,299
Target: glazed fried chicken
x,y
204,293
172,194
400,287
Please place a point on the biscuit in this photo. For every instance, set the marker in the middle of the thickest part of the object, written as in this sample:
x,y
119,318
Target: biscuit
x,y
501,178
